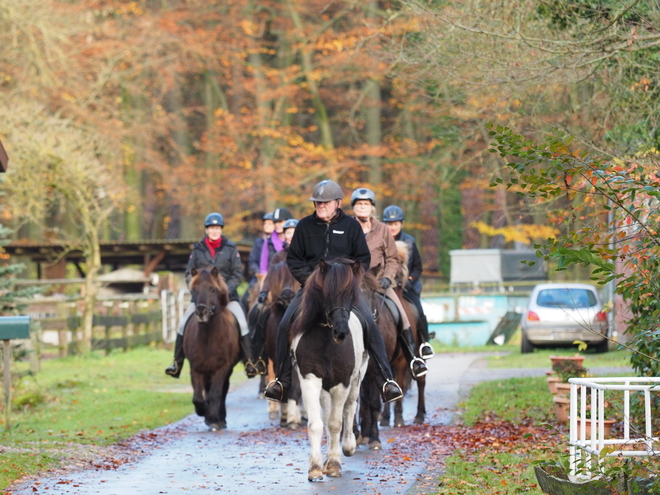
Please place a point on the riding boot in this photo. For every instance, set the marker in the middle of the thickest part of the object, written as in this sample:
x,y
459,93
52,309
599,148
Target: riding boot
x,y
174,370
246,347
259,341
417,366
390,389
277,390
425,349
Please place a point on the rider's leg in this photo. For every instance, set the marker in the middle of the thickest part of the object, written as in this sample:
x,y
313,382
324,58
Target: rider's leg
x,y
374,343
425,349
174,369
246,346
417,365
277,389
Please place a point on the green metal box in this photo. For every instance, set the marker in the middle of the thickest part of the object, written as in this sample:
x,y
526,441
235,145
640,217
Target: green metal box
x,y
14,327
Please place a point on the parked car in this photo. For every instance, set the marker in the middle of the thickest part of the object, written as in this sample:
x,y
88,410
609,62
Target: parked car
x,y
559,314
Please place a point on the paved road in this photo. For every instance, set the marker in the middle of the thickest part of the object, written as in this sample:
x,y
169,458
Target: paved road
x,y
254,454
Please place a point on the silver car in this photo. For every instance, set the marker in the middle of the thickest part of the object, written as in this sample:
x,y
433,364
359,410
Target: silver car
x,y
559,314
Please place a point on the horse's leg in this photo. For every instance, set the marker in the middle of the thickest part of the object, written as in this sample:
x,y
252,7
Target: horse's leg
x,y
421,401
385,416
273,407
311,392
332,404
348,443
398,413
215,399
198,393
293,418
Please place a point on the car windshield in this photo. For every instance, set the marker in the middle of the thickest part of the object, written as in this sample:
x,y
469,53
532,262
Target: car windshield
x,y
566,298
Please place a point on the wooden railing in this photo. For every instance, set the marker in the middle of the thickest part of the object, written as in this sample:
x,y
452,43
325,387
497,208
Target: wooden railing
x,y
121,322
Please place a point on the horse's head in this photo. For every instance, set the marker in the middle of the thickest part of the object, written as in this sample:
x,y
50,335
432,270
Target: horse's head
x,y
281,283
209,291
334,287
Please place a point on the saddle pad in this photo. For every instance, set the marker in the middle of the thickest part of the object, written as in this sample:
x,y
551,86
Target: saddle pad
x,y
391,305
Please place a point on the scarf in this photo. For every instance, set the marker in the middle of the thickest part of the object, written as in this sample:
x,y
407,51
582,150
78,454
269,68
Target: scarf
x,y
264,261
213,245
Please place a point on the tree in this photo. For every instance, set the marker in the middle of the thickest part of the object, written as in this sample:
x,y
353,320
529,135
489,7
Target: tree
x,y
62,171
615,205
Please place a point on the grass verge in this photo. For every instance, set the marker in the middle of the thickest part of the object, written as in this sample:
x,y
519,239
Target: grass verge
x,y
82,404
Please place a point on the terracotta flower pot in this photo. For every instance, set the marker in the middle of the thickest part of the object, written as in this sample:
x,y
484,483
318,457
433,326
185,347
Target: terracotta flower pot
x,y
555,359
562,405
552,383
563,389
607,427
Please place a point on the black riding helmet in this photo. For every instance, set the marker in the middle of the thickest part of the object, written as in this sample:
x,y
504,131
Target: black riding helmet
x,y
281,214
393,213
214,219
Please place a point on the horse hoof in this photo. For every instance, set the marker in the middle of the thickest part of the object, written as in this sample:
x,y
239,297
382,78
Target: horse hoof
x,y
332,469
419,421
384,423
375,445
272,415
293,426
315,474
399,424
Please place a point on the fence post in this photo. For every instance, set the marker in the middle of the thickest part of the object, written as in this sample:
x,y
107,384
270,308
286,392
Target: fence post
x,y
35,343
62,335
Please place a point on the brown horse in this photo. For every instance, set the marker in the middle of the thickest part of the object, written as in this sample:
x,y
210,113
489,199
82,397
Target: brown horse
x,y
210,343
282,288
330,359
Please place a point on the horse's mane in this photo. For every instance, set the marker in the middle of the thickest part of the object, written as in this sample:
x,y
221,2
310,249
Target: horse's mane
x,y
206,273
279,278
337,283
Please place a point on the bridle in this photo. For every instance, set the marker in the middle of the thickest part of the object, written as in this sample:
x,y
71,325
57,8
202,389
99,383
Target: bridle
x,y
328,314
210,309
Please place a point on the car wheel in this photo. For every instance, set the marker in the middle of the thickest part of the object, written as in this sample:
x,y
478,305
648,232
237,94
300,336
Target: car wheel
x,y
603,346
525,345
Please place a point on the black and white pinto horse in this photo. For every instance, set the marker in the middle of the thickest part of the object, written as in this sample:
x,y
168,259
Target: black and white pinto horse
x,y
330,358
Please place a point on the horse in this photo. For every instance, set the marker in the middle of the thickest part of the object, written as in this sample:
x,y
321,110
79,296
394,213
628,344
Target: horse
x,y
370,401
330,359
211,345
282,288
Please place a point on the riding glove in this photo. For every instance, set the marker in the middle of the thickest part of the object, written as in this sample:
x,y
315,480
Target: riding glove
x,y
385,283
262,297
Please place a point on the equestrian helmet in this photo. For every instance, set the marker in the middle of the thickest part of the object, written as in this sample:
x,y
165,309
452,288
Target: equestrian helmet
x,y
326,190
267,216
281,214
363,193
291,223
393,213
214,219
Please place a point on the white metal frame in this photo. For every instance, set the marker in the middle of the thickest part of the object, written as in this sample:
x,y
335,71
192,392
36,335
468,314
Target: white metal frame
x,y
591,392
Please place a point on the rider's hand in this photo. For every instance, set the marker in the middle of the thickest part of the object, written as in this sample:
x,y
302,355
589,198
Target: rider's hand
x,y
385,283
262,297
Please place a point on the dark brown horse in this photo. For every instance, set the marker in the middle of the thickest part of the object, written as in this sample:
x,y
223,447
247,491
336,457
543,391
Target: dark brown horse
x,y
210,343
330,359
281,287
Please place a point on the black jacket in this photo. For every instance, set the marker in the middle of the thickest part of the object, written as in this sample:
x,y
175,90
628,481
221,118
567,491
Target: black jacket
x,y
315,240
227,260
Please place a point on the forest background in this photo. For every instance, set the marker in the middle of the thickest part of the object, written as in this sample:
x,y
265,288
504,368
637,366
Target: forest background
x,y
129,120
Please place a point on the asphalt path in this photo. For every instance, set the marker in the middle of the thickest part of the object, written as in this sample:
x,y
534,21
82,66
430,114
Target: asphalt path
x,y
254,454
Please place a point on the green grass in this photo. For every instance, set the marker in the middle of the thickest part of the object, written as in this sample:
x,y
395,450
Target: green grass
x,y
540,358
93,400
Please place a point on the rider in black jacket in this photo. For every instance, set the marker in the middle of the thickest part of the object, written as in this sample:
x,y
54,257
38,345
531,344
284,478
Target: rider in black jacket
x,y
216,250
328,234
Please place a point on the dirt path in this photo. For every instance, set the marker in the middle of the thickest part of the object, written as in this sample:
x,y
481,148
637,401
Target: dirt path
x,y
254,454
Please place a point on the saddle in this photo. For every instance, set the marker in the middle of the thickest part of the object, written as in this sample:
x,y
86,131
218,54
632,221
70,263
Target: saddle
x,y
396,314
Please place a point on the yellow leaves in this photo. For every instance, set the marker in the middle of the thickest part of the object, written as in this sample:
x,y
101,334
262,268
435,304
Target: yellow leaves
x,y
250,28
521,233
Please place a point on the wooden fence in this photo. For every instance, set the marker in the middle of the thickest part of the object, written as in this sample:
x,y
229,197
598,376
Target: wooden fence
x,y
120,322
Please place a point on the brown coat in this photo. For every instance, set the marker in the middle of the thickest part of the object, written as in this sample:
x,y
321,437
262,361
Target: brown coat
x,y
384,255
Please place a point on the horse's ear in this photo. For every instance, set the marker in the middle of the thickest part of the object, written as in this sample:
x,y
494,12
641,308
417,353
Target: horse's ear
x,y
214,272
193,272
356,267
323,266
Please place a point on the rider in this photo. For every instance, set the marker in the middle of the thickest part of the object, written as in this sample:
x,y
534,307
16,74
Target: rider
x,y
384,265
393,218
253,265
289,228
328,233
215,250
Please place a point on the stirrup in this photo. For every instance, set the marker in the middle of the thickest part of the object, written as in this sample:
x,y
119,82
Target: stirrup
x,y
390,399
261,366
271,394
174,370
250,369
421,373
430,353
